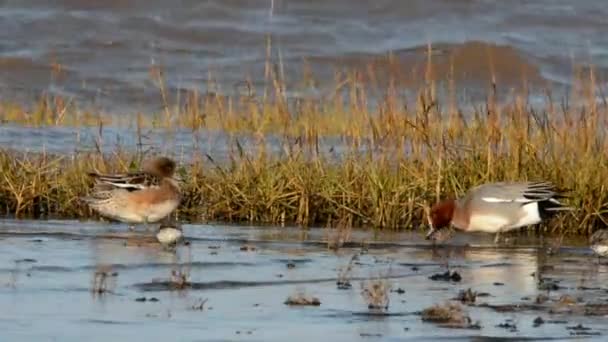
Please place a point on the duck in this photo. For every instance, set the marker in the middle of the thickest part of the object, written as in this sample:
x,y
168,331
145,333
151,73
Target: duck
x,y
497,208
598,242
146,196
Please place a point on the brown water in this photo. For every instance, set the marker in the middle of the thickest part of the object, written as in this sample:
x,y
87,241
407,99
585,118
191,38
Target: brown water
x,y
106,48
47,272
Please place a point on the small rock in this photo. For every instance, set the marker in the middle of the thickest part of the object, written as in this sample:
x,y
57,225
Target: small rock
x,y
140,299
538,321
248,248
499,284
415,268
399,291
291,265
154,299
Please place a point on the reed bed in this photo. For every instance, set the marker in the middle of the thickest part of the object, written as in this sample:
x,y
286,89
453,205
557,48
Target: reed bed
x,y
395,157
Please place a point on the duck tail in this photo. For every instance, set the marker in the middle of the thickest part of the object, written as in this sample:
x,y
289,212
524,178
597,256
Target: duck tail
x,y
549,208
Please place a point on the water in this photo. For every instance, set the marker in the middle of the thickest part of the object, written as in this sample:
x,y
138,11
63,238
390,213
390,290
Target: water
x,y
47,271
106,48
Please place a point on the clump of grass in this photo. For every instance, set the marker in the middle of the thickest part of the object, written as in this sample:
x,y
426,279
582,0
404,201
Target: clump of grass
x,y
449,315
300,298
344,274
376,294
200,304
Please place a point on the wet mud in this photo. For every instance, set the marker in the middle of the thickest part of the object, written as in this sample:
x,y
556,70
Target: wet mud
x,y
66,279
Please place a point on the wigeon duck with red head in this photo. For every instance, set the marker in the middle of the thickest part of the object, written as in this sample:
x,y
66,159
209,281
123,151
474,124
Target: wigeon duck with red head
x,y
497,208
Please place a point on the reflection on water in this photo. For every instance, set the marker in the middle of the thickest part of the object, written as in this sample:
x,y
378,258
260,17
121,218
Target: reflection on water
x,y
49,271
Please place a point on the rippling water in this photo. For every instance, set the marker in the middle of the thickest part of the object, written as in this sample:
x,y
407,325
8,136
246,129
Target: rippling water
x,y
107,47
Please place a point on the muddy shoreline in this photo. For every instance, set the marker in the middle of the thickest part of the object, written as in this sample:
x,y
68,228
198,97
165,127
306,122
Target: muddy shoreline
x,y
288,284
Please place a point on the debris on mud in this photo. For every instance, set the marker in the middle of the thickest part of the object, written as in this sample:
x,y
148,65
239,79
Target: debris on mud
x,y
578,327
145,299
301,299
509,325
344,285
447,276
399,291
248,248
467,296
26,260
370,335
200,304
545,284
581,330
512,307
596,309
541,299
375,293
449,315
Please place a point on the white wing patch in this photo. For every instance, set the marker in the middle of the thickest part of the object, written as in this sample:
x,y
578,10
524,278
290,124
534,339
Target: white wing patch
x,y
503,200
127,185
530,216
487,223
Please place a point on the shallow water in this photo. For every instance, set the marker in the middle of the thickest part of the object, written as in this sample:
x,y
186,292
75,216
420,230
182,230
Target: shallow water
x,y
106,48
47,269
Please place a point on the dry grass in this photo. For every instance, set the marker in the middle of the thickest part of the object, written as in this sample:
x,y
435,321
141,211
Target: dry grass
x,y
300,298
449,315
387,160
375,292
